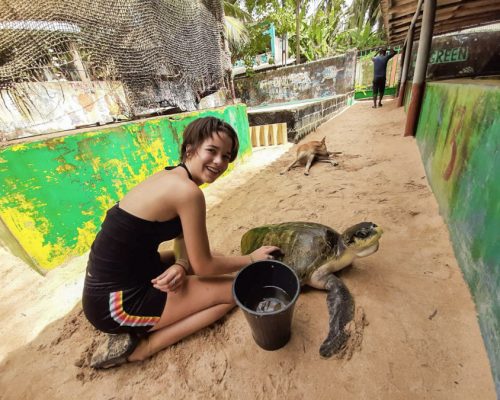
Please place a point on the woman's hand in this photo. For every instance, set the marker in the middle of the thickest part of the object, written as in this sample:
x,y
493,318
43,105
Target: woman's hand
x,y
171,280
265,253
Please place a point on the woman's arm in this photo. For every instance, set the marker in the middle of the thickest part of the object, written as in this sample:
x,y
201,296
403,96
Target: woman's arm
x,y
192,211
181,255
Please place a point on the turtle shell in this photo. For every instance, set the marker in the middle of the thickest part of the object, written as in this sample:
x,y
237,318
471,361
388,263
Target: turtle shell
x,y
305,245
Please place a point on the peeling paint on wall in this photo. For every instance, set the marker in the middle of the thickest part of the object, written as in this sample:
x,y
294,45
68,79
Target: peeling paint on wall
x,y
459,138
54,193
35,108
322,78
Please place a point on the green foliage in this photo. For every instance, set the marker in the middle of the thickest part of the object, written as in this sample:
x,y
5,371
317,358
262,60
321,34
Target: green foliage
x,y
368,56
360,38
283,18
318,32
236,31
363,88
258,43
327,27
232,9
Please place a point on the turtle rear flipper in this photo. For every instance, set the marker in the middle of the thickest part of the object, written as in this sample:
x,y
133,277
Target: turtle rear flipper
x,y
341,311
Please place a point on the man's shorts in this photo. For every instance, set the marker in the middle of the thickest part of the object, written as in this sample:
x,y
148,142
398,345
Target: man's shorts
x,y
378,85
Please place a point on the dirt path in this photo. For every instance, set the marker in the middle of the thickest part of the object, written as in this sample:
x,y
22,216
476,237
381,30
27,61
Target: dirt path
x,y
422,341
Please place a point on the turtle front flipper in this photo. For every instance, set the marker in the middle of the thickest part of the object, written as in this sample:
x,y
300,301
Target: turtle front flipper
x,y
341,311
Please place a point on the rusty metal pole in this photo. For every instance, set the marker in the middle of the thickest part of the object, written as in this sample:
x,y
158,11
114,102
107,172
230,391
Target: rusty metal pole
x,y
297,33
404,71
407,55
424,46
401,65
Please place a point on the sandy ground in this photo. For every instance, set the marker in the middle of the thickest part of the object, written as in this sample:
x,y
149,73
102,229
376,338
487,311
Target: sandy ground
x,y
422,341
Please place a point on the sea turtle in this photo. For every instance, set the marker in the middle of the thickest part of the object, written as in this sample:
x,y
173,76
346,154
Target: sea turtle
x,y
315,252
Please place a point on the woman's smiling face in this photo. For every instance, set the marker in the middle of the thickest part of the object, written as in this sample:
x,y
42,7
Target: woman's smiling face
x,y
210,159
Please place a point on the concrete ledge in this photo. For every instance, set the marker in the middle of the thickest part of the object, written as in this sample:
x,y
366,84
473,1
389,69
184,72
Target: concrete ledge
x,y
301,117
268,135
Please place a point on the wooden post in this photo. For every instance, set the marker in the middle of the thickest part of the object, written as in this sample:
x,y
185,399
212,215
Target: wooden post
x,y
274,128
283,133
265,131
407,55
80,68
424,46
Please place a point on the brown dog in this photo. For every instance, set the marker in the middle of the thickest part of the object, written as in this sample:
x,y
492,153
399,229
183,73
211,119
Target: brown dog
x,y
309,152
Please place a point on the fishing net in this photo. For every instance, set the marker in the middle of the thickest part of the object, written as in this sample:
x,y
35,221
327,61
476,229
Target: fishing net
x,y
163,52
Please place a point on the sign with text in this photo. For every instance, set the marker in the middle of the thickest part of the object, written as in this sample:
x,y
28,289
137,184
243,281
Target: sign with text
x,y
456,54
462,55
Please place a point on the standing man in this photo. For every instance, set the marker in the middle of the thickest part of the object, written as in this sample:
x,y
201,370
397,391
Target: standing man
x,y
379,70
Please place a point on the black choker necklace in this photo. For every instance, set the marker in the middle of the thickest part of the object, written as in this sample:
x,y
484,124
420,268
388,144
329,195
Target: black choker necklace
x,y
187,170
183,166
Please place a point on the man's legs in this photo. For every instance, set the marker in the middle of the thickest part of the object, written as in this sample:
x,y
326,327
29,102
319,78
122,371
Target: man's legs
x,y
375,91
381,91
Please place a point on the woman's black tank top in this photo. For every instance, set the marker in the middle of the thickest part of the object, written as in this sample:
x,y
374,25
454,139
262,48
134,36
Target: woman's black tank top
x,y
125,251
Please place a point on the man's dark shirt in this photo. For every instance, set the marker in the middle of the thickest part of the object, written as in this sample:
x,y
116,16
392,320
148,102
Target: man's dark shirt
x,y
380,65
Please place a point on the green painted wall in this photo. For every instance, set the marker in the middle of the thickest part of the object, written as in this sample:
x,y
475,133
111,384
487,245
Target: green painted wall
x,y
363,84
368,93
54,193
459,139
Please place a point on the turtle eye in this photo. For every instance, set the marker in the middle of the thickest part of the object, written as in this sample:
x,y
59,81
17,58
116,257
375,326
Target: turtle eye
x,y
362,234
358,235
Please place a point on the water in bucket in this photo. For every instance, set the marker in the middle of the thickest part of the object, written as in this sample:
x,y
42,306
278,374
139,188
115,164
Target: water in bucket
x,y
268,299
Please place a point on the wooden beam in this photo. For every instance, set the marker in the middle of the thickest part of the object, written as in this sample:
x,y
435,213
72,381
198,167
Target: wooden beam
x,y
488,16
458,24
480,6
404,8
451,15
474,11
442,27
384,6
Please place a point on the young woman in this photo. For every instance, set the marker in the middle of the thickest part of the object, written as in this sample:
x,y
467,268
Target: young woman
x,y
147,300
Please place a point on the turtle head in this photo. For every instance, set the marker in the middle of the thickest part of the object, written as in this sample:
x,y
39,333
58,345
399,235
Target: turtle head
x,y
362,238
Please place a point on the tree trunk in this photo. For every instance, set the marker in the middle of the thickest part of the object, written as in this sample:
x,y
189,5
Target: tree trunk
x,y
297,33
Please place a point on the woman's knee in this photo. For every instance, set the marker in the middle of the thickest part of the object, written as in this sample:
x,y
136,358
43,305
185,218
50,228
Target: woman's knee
x,y
229,307
232,302
228,292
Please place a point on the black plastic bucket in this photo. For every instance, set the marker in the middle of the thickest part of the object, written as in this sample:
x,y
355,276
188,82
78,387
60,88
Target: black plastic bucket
x,y
266,291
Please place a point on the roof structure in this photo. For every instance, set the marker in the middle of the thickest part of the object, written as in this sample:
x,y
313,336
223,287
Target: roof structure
x,y
451,15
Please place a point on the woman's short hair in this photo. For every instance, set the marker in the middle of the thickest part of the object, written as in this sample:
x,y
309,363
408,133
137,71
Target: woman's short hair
x,y
204,128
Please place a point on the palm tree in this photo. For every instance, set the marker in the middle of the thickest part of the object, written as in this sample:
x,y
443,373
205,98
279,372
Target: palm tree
x,y
365,12
319,28
365,27
234,19
297,32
